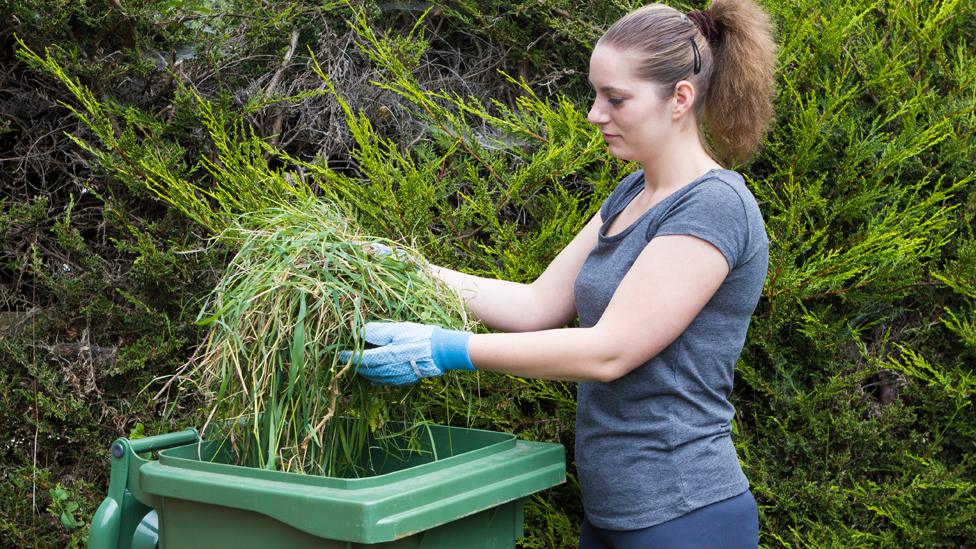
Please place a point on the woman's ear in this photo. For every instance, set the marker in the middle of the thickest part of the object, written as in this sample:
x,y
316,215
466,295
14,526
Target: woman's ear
x,y
684,99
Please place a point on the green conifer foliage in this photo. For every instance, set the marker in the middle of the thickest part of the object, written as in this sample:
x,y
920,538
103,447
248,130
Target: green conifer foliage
x,y
862,183
855,392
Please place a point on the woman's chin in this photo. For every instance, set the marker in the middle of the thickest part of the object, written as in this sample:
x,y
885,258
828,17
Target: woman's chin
x,y
618,151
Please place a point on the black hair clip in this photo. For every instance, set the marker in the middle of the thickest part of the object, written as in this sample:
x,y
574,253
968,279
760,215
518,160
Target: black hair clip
x,y
694,49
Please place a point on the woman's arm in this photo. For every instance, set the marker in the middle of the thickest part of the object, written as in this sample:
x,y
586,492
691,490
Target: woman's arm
x,y
512,307
665,289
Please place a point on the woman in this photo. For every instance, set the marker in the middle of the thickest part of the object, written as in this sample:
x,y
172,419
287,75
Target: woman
x,y
664,281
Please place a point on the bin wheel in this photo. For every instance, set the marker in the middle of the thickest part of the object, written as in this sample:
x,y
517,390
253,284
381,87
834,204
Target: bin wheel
x,y
146,535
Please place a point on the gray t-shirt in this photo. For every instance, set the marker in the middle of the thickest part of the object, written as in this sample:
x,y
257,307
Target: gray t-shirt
x,y
655,444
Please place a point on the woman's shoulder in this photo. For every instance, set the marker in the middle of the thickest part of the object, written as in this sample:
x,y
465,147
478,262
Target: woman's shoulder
x,y
719,206
718,179
725,189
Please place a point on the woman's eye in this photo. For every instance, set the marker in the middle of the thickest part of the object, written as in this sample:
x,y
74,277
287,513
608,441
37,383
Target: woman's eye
x,y
615,102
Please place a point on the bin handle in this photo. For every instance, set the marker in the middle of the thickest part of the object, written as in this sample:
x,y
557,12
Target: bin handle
x,y
157,442
124,509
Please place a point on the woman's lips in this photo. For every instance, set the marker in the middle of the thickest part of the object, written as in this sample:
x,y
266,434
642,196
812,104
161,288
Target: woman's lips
x,y
609,136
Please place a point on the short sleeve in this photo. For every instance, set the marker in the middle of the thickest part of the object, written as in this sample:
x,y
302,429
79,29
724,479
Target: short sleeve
x,y
714,212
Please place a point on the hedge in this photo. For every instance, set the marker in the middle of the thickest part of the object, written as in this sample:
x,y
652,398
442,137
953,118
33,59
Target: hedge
x,y
460,128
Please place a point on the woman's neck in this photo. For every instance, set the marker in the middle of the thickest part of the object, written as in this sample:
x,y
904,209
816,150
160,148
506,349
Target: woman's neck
x,y
680,162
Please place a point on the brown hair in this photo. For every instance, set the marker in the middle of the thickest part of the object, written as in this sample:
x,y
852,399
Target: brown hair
x,y
735,80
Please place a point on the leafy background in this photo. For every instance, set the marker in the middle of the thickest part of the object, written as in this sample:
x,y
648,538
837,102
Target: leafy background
x,y
460,127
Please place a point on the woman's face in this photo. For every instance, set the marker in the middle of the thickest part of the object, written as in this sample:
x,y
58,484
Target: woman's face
x,y
629,111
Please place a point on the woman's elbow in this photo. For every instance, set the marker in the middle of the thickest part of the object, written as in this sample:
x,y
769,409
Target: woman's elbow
x,y
615,352
547,310
615,359
613,370
610,364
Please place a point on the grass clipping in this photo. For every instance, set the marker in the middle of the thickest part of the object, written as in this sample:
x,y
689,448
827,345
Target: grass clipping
x,y
300,287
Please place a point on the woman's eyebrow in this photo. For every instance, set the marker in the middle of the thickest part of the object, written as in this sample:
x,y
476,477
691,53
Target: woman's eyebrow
x,y
606,89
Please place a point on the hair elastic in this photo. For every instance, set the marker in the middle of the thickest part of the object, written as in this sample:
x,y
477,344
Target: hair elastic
x,y
705,25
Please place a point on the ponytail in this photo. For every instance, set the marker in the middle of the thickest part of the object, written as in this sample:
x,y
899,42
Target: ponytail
x,y
727,52
738,107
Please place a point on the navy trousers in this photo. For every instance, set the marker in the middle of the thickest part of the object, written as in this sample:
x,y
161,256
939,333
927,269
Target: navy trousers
x,y
729,524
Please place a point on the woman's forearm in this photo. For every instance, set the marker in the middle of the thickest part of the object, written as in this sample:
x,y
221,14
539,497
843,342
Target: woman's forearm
x,y
545,304
498,304
570,354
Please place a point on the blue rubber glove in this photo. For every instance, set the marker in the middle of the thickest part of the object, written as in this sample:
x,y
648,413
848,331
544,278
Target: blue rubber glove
x,y
408,352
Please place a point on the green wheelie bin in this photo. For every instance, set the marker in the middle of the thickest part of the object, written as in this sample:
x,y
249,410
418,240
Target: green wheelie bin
x,y
178,491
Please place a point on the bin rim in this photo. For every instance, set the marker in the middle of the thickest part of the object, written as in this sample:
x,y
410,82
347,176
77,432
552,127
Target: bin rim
x,y
182,457
384,508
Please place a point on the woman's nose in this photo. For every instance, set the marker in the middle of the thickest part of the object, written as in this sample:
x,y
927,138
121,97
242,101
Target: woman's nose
x,y
596,115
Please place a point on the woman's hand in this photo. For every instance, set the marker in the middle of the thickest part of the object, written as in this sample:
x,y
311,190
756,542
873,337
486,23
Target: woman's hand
x,y
381,250
408,351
